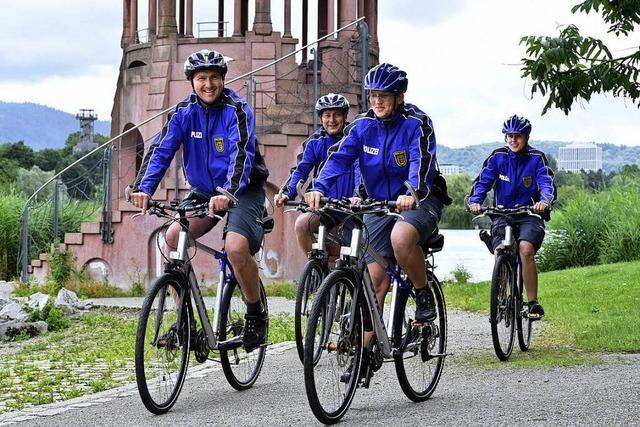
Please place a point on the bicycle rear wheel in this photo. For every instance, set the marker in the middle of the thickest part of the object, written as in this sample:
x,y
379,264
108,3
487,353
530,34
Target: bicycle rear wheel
x,y
330,389
502,309
524,324
420,364
310,280
241,369
162,344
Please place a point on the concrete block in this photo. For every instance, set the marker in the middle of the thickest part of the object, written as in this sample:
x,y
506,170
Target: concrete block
x,y
295,129
161,53
274,139
90,228
261,50
73,238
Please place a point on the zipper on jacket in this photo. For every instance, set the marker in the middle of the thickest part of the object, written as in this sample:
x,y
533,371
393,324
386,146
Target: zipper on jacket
x,y
384,161
208,148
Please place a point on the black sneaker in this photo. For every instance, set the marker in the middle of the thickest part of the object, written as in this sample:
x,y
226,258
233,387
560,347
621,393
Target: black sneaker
x,y
255,331
364,365
425,305
535,310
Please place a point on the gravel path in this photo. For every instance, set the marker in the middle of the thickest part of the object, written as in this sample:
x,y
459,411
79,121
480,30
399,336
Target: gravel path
x,y
583,395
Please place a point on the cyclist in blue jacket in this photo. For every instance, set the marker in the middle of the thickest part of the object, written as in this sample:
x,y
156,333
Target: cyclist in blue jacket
x,y
216,130
520,176
394,142
333,110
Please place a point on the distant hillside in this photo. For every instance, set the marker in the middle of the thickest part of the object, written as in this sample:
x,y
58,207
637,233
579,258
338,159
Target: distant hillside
x,y
471,157
40,126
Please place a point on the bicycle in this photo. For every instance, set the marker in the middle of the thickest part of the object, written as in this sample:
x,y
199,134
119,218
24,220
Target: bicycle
x,y
167,329
346,304
508,310
313,273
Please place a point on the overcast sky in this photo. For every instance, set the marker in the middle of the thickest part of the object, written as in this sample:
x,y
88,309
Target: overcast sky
x,y
462,57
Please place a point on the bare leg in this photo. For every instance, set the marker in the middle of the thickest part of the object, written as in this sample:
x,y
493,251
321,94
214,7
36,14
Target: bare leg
x,y
197,227
529,270
381,282
404,239
306,225
244,265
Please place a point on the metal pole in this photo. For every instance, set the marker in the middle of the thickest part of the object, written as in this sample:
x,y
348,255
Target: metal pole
x,y
364,47
107,208
314,52
25,245
249,85
56,208
176,182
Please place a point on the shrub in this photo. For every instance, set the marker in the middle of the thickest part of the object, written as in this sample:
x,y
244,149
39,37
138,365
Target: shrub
x,y
60,268
621,234
461,274
54,316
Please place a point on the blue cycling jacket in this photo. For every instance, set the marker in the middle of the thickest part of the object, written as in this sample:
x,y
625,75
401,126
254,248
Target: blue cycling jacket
x,y
311,158
391,151
219,146
520,179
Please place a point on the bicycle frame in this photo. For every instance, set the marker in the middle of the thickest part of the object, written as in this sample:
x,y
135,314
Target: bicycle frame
x,y
352,255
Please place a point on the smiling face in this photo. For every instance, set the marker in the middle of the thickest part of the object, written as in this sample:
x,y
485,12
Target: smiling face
x,y
333,121
208,85
383,103
516,141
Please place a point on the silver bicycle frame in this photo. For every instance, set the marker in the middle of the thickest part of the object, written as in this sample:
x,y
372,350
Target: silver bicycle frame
x,y
355,250
181,254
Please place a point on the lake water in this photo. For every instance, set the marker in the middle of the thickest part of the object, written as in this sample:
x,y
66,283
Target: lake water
x,y
464,247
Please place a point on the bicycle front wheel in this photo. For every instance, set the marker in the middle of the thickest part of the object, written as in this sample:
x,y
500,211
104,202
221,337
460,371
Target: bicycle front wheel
x,y
502,309
162,344
331,372
310,280
523,323
420,363
241,369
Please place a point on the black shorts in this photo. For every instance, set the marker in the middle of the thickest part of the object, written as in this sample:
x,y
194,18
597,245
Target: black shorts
x,y
424,219
245,218
526,227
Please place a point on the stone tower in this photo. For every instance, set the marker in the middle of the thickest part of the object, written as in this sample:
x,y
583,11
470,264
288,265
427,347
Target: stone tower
x,y
151,80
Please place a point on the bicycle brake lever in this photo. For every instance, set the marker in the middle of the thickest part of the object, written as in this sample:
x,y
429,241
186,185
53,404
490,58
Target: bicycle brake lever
x,y
134,216
218,217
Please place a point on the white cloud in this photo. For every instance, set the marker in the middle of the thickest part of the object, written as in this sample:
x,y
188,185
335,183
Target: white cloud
x,y
94,90
462,58
465,73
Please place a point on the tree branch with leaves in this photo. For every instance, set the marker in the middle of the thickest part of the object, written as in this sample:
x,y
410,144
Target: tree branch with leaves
x,y
570,66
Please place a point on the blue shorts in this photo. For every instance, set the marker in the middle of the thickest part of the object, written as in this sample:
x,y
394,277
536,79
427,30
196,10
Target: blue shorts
x,y
424,219
526,227
245,218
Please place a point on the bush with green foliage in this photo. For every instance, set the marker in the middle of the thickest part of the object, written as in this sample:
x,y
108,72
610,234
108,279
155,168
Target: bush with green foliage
x,y
54,316
593,228
60,269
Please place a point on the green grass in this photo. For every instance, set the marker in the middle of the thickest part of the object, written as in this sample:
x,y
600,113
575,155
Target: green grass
x,y
93,354
591,309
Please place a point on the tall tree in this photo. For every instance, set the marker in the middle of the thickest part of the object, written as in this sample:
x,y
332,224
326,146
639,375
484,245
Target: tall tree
x,y
571,67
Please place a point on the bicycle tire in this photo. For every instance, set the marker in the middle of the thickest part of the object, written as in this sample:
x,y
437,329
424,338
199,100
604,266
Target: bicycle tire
x,y
312,276
162,347
523,323
241,369
420,364
340,349
502,307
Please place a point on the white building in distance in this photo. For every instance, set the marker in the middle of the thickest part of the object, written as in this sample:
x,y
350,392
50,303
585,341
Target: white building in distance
x,y
448,169
580,156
